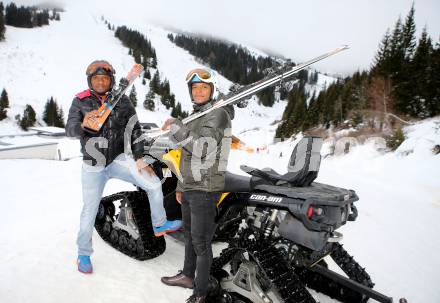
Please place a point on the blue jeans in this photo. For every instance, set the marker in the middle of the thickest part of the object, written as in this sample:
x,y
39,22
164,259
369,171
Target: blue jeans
x,y
93,182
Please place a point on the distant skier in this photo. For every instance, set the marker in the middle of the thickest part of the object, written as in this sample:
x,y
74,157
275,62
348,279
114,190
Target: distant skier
x,y
202,184
104,157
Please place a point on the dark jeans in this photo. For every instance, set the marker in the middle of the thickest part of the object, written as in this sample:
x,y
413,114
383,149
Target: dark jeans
x,y
198,214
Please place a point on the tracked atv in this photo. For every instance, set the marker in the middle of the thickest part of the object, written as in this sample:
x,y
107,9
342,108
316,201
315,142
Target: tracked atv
x,y
279,228
124,222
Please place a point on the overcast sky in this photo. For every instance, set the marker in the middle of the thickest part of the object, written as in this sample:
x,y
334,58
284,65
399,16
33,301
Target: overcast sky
x,y
295,29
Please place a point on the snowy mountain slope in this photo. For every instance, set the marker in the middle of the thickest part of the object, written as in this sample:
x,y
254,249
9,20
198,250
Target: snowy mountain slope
x,y
50,61
32,71
38,63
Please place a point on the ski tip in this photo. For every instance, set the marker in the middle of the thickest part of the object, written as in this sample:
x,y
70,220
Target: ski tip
x,y
138,68
345,46
135,71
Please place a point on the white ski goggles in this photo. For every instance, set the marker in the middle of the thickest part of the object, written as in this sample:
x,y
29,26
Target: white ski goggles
x,y
202,75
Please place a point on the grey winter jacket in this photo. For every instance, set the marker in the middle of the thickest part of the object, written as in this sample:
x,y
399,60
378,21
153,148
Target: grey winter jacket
x,y
205,143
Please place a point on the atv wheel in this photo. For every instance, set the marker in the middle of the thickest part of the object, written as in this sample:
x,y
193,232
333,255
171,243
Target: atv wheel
x,y
107,228
114,236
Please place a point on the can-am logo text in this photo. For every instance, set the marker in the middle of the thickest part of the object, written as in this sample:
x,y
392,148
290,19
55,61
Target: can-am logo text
x,y
266,198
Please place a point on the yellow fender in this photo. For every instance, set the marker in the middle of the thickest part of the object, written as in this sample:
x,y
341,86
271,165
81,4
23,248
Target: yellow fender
x,y
172,159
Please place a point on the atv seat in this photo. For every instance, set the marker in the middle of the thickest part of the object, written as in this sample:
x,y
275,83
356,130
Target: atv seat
x,y
302,169
237,183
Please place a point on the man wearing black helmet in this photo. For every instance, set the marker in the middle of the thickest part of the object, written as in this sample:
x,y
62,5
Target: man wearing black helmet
x,y
205,146
105,157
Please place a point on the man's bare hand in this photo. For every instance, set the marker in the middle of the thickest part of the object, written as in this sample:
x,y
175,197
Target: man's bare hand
x,y
141,165
167,124
90,115
179,196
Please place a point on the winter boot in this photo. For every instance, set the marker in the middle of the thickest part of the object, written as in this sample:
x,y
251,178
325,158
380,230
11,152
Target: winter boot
x,y
195,299
178,280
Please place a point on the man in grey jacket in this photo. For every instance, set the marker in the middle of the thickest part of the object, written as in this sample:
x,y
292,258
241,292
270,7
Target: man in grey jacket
x,y
205,144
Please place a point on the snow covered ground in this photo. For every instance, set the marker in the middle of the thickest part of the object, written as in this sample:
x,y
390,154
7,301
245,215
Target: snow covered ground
x,y
395,237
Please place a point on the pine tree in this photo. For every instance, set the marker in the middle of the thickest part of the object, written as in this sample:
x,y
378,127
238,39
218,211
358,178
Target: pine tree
x,y
145,62
294,113
382,57
177,112
137,56
11,14
2,22
29,118
396,139
408,35
149,103
172,101
133,96
155,83
314,77
164,88
266,97
166,101
421,102
147,74
50,112
53,115
395,59
60,122
4,104
403,75
312,114
434,82
154,62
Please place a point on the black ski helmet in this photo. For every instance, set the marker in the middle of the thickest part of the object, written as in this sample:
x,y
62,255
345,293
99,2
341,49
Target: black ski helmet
x,y
100,67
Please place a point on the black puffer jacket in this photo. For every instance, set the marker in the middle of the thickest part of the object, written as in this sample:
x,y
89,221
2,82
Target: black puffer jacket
x,y
98,151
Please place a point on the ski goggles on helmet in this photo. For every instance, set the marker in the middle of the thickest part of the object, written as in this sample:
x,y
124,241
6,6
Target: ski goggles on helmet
x,y
100,67
199,75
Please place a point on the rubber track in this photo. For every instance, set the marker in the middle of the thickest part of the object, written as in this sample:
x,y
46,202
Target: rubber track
x,y
271,262
333,289
148,246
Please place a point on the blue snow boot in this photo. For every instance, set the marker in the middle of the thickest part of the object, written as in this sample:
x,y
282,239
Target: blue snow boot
x,y
168,227
84,264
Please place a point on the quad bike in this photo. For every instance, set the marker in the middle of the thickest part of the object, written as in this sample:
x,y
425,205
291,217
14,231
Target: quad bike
x,y
279,228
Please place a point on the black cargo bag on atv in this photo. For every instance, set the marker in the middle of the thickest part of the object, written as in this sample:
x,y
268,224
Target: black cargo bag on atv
x,y
316,210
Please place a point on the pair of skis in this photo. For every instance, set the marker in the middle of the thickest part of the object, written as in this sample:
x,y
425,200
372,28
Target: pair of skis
x,y
254,88
245,92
